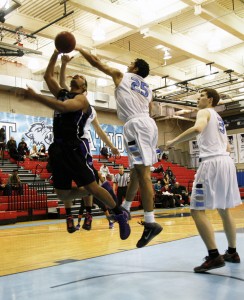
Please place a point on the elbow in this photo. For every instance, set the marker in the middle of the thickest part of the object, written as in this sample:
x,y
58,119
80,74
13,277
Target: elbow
x,y
197,129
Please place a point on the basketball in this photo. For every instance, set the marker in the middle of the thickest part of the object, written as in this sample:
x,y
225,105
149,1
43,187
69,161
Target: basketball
x,y
65,42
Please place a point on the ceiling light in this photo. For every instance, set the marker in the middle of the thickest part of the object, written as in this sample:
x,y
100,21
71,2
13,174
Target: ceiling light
x,y
98,33
4,4
197,9
214,42
167,54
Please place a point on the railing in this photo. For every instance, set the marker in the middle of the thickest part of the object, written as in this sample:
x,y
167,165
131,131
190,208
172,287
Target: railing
x,y
24,198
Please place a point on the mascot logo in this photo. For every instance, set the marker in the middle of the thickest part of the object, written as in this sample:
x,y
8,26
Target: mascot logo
x,y
39,133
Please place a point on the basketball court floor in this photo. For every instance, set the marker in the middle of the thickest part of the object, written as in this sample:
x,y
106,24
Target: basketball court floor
x,y
40,260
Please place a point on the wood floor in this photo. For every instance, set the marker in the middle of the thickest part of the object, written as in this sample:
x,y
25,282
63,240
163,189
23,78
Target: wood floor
x,y
35,245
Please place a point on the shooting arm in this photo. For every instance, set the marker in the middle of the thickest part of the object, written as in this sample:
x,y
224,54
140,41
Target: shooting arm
x,y
52,83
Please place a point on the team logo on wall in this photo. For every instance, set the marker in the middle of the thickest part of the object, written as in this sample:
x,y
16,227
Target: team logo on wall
x,y
40,133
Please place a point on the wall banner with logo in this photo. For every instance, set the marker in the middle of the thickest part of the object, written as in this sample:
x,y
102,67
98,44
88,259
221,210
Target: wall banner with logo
x,y
39,130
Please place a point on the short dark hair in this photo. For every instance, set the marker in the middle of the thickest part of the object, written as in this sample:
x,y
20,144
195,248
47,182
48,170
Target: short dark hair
x,y
143,67
212,93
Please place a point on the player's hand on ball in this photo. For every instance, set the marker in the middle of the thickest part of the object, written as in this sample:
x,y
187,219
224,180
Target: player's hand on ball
x,y
66,59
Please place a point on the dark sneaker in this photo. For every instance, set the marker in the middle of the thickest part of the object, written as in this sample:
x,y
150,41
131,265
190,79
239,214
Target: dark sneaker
x,y
128,213
150,231
87,222
210,263
124,227
77,227
111,225
233,258
70,224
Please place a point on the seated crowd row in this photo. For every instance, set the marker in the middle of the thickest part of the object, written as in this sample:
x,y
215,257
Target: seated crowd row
x,y
22,151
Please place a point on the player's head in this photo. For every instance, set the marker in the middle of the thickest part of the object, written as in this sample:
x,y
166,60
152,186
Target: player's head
x,y
208,97
139,67
79,82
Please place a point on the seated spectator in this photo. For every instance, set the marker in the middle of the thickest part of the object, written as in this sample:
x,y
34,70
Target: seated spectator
x,y
5,188
180,194
11,143
167,197
14,182
13,151
169,172
42,151
104,171
158,191
166,180
158,186
104,152
2,140
34,152
159,169
23,148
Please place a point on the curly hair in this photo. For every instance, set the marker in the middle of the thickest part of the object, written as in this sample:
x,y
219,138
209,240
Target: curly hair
x,y
143,67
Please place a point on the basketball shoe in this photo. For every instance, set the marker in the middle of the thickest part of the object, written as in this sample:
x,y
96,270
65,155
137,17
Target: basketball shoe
x,y
210,263
150,231
233,258
87,222
124,227
70,224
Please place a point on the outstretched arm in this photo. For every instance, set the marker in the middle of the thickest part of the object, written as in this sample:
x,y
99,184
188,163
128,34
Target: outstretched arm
x,y
104,137
96,62
201,123
62,78
51,81
77,103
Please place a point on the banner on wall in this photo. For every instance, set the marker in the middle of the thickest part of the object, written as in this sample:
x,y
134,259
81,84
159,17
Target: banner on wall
x,y
240,145
233,147
39,130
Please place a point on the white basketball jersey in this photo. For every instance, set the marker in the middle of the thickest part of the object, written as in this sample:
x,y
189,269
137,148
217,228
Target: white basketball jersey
x,y
132,96
212,141
88,123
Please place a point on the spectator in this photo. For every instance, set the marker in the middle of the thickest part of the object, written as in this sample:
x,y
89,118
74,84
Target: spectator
x,y
104,171
121,181
5,188
167,197
23,148
169,172
14,182
2,140
158,192
11,144
34,152
180,194
42,151
104,152
166,179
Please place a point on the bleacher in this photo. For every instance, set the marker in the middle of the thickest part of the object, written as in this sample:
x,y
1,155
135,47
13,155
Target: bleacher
x,y
36,201
31,205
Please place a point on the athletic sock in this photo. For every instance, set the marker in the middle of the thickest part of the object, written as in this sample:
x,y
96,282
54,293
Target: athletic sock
x,y
126,204
231,250
68,211
213,253
88,209
149,217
